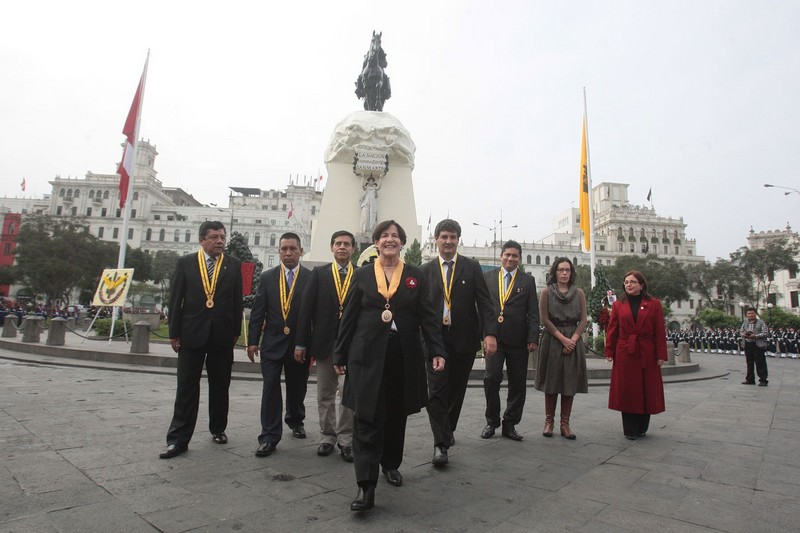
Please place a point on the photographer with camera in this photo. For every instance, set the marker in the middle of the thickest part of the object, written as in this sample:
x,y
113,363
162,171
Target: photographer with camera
x,y
754,333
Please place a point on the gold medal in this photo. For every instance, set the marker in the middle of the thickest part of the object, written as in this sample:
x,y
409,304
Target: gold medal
x,y
286,330
500,319
286,294
383,290
447,289
504,293
341,286
340,312
209,285
386,316
446,320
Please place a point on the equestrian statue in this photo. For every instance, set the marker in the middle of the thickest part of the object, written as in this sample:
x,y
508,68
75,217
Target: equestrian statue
x,y
373,83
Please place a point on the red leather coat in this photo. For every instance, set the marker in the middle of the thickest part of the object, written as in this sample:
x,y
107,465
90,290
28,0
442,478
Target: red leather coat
x,y
635,348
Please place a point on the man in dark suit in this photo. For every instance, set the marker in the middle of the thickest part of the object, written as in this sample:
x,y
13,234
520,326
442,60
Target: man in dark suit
x,y
460,296
205,318
516,306
317,328
275,313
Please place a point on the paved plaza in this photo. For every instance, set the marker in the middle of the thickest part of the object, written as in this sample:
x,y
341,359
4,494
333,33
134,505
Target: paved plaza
x,y
79,452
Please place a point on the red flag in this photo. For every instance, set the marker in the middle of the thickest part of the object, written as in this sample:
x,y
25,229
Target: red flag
x,y
291,211
248,269
125,169
23,184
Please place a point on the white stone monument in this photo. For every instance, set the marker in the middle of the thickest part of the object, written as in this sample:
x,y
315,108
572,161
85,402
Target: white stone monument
x,y
369,159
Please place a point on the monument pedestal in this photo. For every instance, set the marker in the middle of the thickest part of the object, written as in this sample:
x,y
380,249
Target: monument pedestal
x,y
341,207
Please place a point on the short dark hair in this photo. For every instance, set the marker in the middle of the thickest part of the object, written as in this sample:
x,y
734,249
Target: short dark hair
x,y
447,224
288,236
553,273
343,233
209,225
751,308
642,281
380,227
511,244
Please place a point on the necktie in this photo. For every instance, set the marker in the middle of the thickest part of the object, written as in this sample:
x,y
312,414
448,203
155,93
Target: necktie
x,y
507,279
289,277
210,262
342,273
448,270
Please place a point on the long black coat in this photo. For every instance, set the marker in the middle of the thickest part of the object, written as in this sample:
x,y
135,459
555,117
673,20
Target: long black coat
x,y
363,338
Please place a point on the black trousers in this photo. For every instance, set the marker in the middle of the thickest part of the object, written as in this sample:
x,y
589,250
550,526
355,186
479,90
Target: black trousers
x,y
635,424
296,378
380,441
516,361
754,356
218,361
446,391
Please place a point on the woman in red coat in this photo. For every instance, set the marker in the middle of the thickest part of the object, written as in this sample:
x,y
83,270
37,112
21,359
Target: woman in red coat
x,y
636,342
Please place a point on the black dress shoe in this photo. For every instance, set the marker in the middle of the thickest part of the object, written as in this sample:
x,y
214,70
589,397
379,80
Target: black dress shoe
x,y
762,383
173,450
510,433
631,437
346,452
488,432
325,449
266,448
219,438
365,499
452,442
393,477
748,382
439,456
299,432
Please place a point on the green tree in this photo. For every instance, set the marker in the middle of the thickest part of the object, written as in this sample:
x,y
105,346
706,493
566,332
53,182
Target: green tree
x,y
238,248
760,266
778,318
718,284
141,263
597,296
7,276
667,279
414,254
714,318
55,254
163,266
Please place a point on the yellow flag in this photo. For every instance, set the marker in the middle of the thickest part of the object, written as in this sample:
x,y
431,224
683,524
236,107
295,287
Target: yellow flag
x,y
583,194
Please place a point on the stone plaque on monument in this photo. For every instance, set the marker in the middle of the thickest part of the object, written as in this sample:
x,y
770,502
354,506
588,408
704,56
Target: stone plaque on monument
x,y
371,160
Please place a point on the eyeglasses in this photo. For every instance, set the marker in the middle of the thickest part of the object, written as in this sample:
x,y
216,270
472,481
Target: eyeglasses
x,y
630,282
560,270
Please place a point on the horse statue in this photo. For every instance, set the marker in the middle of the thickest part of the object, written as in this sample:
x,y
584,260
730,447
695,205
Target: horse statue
x,y
373,83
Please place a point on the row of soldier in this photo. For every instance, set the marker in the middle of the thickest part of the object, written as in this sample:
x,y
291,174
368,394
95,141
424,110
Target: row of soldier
x,y
781,342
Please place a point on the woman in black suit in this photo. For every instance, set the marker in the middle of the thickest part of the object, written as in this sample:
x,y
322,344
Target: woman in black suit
x,y
380,347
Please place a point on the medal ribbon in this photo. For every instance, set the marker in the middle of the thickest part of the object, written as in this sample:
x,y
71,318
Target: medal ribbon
x,y
504,294
286,301
448,287
380,279
341,286
209,285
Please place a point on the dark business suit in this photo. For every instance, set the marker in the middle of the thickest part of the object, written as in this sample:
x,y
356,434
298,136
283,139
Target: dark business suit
x,y
385,370
277,353
317,328
520,327
206,335
462,339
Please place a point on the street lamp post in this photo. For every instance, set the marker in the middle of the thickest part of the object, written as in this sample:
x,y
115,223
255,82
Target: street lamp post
x,y
789,190
498,225
741,307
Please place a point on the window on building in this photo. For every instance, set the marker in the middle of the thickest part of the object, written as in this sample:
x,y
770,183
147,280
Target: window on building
x,y
688,251
91,193
148,234
644,247
793,299
271,261
130,234
77,193
7,249
115,233
256,239
103,212
792,273
547,260
538,259
608,261
574,261
632,247
691,304
666,249
61,193
313,210
677,250
74,211
88,211
176,237
119,213
528,259
272,222
156,217
162,235
246,237
135,195
620,247
188,236
133,213
170,217
772,298
69,193
679,304
105,195
58,210
602,247
283,207
272,240
12,228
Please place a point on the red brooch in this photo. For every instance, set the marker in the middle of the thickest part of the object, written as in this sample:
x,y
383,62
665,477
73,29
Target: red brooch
x,y
411,283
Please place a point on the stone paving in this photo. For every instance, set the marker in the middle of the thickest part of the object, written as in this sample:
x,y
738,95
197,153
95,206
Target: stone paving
x,y
79,452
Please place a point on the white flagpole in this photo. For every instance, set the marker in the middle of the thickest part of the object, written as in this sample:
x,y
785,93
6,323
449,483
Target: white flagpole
x,y
592,255
123,238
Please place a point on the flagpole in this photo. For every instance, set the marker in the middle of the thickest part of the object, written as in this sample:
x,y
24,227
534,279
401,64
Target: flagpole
x,y
123,238
592,255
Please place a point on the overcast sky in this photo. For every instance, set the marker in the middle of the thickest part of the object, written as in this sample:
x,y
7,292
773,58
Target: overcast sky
x,y
696,99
